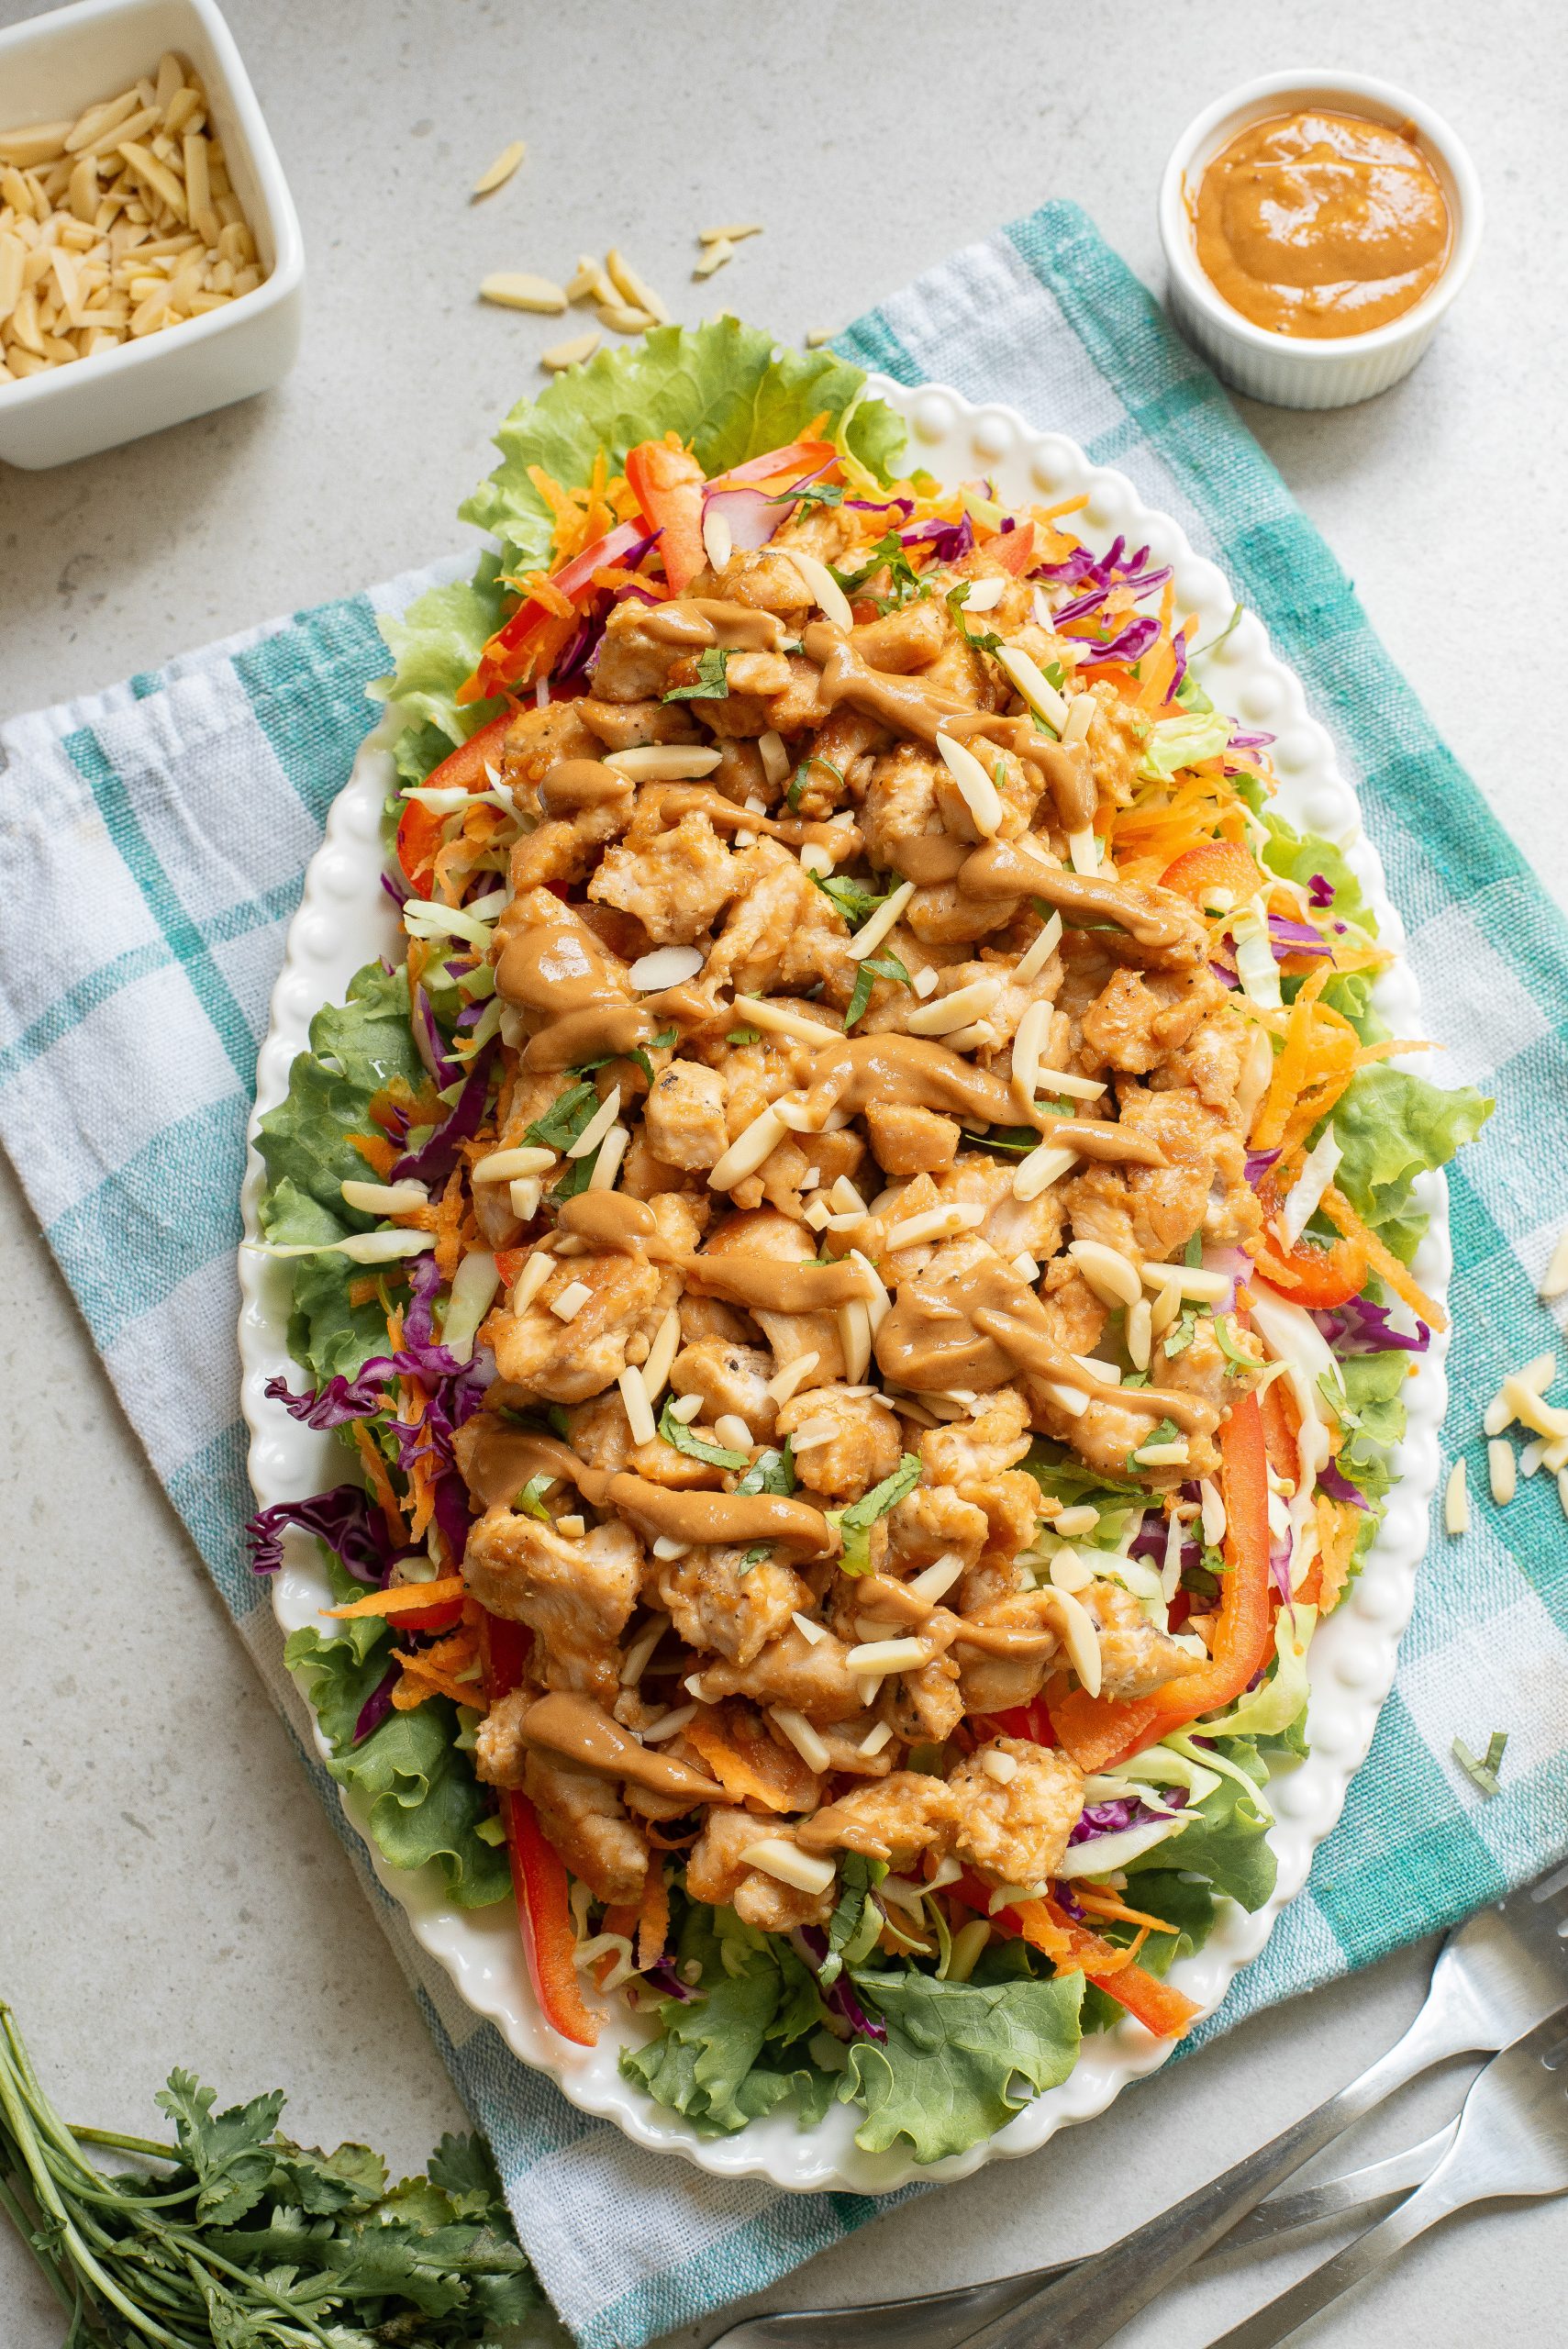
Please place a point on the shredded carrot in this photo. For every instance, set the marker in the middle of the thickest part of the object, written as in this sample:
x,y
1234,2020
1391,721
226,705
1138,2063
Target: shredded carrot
x,y
754,1768
418,1682
381,1485
1063,506
1108,1904
403,1597
364,1290
449,1225
1388,1267
614,576
1339,1523
1303,1049
653,1919
1162,664
378,1154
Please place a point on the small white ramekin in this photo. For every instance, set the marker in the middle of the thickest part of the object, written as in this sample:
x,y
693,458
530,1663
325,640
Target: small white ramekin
x,y
55,65
1287,370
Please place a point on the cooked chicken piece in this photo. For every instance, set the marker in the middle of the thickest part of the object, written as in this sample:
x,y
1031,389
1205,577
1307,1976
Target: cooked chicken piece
x,y
901,800
731,1379
538,740
768,690
585,1819
908,1139
762,579
810,1677
1211,1063
674,879
600,1433
932,1523
565,848
847,744
902,641
1152,1211
789,1334
633,665
923,1706
860,1444
703,1318
628,725
717,1871
1076,1317
1017,1833
722,1606
995,1684
643,1174
845,1741
1018,784
565,1362
908,1812
576,1595
1137,1020
1135,1658
1107,1434
995,1440
1012,1227
803,1163
939,914
683,1115
1202,1368
783,935
1115,744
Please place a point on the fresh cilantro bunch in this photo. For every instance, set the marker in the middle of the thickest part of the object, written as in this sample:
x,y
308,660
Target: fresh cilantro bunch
x,y
241,2238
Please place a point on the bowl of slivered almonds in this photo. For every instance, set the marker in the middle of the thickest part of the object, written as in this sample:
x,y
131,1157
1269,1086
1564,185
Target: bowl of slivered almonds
x,y
151,265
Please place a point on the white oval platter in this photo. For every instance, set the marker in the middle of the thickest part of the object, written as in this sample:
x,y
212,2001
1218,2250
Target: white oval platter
x,y
344,920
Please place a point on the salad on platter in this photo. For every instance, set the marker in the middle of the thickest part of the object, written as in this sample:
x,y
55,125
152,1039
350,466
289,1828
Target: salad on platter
x,y
858,1253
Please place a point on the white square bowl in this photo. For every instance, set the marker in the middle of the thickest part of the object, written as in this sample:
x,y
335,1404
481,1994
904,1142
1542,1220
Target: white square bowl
x,y
56,65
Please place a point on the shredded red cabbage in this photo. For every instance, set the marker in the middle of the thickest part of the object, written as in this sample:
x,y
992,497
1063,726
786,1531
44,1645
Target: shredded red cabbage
x,y
378,1704
1131,645
948,541
343,1519
398,889
1319,889
1361,1328
1258,1162
430,1044
434,1159
1250,741
1116,1817
881,505
1179,646
1296,937
664,1977
1339,1487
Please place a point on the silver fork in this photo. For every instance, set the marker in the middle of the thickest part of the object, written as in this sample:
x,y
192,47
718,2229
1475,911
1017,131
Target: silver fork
x,y
1502,1972
945,2320
1497,1976
1512,2139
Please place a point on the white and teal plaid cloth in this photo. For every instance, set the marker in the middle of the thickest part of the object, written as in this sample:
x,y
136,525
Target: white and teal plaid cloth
x,y
154,838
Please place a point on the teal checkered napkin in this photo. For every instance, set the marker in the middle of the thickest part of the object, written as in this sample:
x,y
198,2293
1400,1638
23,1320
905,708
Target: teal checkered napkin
x,y
154,837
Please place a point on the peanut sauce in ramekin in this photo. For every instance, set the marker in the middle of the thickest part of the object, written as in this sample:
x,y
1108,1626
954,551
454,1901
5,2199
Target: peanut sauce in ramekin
x,y
1317,224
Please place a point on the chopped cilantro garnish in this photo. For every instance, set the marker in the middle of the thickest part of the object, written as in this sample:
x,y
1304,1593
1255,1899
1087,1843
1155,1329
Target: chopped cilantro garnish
x,y
754,1556
1236,1361
638,1053
1180,1335
799,780
565,1119
856,903
1193,1258
1167,1431
825,493
771,1472
717,1455
888,554
744,1036
713,678
874,967
1482,1771
556,1415
985,639
856,1522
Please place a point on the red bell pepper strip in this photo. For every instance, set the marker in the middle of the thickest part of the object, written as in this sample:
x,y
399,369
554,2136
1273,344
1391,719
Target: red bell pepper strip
x,y
538,1873
1318,1278
1032,1722
418,827
1096,1731
668,484
800,457
505,659
433,1619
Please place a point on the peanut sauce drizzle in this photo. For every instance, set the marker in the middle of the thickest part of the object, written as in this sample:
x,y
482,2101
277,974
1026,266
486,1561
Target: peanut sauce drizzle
x,y
581,1731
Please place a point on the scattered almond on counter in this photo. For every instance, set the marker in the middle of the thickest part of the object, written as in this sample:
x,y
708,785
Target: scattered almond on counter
x,y
561,355
499,172
516,291
116,225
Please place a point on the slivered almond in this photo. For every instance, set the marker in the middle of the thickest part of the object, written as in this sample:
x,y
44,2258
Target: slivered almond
x,y
589,283
822,586
497,173
732,235
515,290
633,288
561,355
980,795
720,251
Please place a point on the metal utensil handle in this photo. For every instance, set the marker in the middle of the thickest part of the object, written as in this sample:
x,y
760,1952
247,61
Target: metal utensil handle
x,y
1288,2312
1357,2190
1086,2308
946,2320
